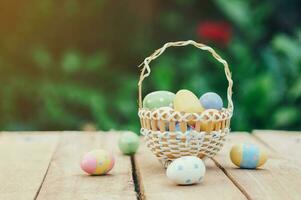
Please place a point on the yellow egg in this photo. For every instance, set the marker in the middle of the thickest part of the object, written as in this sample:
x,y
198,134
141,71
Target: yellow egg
x,y
186,101
248,156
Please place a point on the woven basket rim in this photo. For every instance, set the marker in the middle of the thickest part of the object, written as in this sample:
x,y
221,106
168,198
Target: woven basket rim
x,y
220,131
209,115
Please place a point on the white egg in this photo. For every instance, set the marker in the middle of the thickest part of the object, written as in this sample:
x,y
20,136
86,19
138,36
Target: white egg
x,y
186,170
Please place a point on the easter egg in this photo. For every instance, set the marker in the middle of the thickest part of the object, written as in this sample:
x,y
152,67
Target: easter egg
x,y
128,143
158,99
186,170
211,100
97,162
248,156
186,101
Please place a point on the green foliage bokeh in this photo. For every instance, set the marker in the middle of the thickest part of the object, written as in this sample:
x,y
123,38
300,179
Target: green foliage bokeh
x,y
67,64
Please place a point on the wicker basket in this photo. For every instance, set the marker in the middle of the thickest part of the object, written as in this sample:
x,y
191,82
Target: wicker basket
x,y
158,126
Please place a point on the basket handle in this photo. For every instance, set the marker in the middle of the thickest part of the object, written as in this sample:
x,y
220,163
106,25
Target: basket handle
x,y
145,72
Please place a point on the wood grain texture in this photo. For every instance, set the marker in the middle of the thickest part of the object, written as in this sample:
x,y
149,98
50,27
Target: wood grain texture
x,y
155,185
65,180
285,143
279,178
25,159
27,156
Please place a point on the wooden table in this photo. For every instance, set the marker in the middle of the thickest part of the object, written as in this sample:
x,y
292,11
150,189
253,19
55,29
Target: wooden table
x,y
45,165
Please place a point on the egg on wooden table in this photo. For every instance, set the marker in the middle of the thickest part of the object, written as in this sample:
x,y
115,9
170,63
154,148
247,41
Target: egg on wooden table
x,y
186,170
248,156
128,143
186,101
211,100
97,162
158,99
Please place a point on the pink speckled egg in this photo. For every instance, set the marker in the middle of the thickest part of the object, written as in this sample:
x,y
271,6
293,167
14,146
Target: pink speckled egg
x,y
97,162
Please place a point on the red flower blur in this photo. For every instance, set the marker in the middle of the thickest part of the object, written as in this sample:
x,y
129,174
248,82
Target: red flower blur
x,y
218,32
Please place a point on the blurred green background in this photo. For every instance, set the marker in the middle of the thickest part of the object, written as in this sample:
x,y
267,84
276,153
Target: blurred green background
x,y
72,65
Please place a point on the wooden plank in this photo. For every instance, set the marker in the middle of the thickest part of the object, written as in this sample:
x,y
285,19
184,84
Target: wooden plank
x,y
25,159
287,143
65,180
279,178
155,185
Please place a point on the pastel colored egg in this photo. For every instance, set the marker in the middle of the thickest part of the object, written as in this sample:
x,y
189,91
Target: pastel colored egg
x,y
248,156
128,143
186,101
158,99
97,162
186,170
211,100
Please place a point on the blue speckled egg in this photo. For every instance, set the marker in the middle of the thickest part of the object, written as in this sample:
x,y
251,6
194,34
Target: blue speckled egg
x,y
186,170
248,156
211,100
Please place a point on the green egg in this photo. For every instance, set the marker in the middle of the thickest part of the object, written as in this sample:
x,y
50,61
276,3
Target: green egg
x,y
128,143
158,99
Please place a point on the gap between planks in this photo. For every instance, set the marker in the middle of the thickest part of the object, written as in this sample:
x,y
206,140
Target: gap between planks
x,y
136,180
27,158
65,180
279,178
232,174
42,182
154,185
235,182
50,167
243,191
